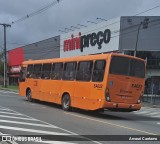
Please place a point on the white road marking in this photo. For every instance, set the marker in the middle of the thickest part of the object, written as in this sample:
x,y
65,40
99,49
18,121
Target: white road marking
x,y
10,113
19,118
32,130
149,108
158,123
3,91
142,111
151,112
157,116
154,113
110,123
4,109
53,126
25,123
13,92
46,123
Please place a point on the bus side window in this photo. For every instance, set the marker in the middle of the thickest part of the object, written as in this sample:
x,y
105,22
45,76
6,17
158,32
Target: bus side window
x,y
46,71
37,71
98,72
84,71
29,71
57,71
22,74
69,71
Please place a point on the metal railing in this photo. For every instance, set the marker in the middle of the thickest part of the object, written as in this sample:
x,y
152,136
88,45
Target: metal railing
x,y
151,97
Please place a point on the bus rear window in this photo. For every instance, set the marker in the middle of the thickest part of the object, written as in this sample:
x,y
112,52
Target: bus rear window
x,y
127,66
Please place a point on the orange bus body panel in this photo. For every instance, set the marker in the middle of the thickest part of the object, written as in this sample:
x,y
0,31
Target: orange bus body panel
x,y
86,95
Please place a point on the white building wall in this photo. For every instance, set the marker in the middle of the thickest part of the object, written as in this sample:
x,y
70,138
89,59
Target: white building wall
x,y
113,45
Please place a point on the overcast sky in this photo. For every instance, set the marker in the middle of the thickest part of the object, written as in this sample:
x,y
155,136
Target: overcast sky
x,y
62,15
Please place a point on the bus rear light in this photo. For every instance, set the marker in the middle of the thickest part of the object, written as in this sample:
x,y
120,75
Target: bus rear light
x,y
107,95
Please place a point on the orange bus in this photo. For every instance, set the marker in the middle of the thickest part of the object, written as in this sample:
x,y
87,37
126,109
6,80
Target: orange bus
x,y
93,82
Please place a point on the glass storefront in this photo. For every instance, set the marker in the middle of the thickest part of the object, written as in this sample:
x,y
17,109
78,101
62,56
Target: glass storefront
x,y
152,84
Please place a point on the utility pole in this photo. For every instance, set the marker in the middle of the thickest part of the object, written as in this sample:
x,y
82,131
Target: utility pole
x,y
5,54
145,26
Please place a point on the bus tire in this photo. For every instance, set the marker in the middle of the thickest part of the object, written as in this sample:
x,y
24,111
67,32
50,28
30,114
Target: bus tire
x,y
29,96
66,102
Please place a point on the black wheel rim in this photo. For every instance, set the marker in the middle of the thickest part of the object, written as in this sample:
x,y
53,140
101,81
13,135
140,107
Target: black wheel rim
x,y
66,102
29,96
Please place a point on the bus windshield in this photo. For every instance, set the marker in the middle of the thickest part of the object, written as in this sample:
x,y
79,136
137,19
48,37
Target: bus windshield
x,y
127,66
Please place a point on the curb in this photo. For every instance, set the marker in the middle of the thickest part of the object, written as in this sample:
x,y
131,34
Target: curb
x,y
8,89
150,105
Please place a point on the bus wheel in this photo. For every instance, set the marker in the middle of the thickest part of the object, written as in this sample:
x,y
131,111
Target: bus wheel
x,y
66,102
29,96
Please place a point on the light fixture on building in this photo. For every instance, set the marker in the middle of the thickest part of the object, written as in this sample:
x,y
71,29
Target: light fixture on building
x,y
145,26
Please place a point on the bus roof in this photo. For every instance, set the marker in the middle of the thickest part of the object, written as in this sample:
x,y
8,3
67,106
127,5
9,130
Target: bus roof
x,y
86,57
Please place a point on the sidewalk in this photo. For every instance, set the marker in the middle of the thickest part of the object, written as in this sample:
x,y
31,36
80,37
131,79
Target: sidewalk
x,y
151,100
146,104
8,89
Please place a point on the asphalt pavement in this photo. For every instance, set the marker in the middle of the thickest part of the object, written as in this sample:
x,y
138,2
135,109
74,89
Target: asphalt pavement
x,y
53,125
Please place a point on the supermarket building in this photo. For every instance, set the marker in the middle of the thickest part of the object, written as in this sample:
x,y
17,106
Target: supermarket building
x,y
129,34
